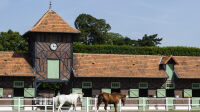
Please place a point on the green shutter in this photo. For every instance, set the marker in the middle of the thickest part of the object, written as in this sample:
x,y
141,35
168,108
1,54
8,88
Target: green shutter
x,y
195,85
86,85
1,92
106,90
29,92
169,85
195,103
18,84
134,92
161,93
115,85
143,85
16,103
53,69
76,90
170,71
187,92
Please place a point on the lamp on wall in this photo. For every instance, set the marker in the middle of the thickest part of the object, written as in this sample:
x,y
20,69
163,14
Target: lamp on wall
x,y
9,96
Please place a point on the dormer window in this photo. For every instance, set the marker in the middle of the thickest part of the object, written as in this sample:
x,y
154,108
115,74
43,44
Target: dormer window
x,y
167,63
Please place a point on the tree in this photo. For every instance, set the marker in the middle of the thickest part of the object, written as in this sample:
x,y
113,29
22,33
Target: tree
x,y
93,30
12,41
150,40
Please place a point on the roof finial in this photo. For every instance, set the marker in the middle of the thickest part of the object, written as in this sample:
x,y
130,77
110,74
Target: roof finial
x,y
50,5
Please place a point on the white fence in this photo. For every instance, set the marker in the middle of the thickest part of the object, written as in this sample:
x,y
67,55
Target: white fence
x,y
89,104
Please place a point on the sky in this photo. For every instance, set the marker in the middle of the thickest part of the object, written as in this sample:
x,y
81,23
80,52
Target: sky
x,y
176,21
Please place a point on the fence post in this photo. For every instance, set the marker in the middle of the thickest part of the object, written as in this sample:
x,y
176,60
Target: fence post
x,y
18,104
166,103
95,104
45,103
53,105
189,104
87,106
120,105
143,103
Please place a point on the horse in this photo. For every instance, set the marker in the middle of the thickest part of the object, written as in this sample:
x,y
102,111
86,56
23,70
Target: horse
x,y
70,99
110,99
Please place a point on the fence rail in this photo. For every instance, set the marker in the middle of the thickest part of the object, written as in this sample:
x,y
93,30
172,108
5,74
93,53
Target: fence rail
x,y
89,104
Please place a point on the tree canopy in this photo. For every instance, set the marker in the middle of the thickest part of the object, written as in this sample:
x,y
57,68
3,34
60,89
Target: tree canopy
x,y
93,30
12,41
96,31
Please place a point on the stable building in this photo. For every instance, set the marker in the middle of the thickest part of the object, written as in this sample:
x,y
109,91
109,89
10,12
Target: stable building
x,y
50,59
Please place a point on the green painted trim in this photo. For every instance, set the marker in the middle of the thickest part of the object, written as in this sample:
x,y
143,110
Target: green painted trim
x,y
134,93
195,85
170,71
106,90
29,92
161,93
18,84
76,90
53,69
187,93
169,85
86,85
143,85
16,103
1,92
115,85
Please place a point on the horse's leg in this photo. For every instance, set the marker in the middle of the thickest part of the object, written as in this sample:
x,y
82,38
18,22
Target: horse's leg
x,y
59,108
105,107
115,104
98,104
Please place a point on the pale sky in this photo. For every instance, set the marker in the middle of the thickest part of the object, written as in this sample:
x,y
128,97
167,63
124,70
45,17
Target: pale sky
x,y
177,21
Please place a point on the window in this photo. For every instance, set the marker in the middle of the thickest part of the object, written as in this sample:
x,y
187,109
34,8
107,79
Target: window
x,y
169,85
195,85
86,84
143,85
115,85
18,84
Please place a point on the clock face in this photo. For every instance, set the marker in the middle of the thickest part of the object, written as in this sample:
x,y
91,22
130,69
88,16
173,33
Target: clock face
x,y
53,46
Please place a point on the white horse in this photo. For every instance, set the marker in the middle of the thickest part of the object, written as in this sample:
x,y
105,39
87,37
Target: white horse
x,y
70,99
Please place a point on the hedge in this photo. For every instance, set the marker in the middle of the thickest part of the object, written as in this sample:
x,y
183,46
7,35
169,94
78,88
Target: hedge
x,y
113,49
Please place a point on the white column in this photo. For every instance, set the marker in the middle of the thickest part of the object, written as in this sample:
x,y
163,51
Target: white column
x,y
189,107
95,104
18,104
45,104
87,106
120,105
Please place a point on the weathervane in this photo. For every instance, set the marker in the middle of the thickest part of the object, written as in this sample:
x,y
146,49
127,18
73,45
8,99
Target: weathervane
x,y
50,4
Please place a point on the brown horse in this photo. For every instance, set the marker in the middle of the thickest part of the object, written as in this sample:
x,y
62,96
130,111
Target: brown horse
x,y
110,99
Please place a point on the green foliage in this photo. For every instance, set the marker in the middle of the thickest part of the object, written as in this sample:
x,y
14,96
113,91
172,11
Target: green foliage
x,y
12,41
93,30
150,40
124,49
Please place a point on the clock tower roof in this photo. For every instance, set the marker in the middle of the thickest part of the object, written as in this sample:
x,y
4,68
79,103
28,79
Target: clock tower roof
x,y
52,22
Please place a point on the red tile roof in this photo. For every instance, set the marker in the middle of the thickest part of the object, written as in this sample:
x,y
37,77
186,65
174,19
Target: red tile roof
x,y
113,65
188,67
52,22
14,64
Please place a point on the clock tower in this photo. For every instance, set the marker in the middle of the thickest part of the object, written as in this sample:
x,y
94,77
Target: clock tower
x,y
50,46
